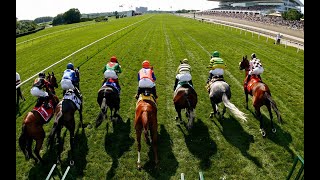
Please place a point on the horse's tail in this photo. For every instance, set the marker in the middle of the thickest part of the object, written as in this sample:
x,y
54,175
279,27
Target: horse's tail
x,y
144,120
234,110
23,140
273,106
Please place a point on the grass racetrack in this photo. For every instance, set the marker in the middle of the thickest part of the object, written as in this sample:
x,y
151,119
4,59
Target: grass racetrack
x,y
227,149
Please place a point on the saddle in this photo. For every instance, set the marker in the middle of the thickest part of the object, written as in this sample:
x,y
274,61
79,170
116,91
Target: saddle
x,y
46,114
70,95
253,79
111,85
184,84
147,97
214,79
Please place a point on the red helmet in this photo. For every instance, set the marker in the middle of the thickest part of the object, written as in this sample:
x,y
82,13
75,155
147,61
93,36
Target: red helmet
x,y
146,64
113,59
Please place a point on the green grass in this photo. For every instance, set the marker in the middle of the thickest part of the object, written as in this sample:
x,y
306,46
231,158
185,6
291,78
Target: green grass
x,y
228,149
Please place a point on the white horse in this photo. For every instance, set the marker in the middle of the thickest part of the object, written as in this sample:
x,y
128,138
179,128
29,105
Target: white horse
x,y
220,92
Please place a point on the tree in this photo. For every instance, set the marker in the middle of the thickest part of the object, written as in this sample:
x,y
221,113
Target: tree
x,y
72,16
292,14
58,20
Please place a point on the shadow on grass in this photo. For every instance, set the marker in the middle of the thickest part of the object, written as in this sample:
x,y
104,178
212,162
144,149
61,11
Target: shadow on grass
x,y
168,163
117,143
200,144
76,171
236,136
281,137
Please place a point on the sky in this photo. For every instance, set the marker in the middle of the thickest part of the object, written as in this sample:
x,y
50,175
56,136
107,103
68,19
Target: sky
x,y
32,9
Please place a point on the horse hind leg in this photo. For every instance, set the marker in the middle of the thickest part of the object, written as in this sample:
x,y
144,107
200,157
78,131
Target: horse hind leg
x,y
191,118
29,151
274,130
178,110
214,107
259,116
37,149
138,137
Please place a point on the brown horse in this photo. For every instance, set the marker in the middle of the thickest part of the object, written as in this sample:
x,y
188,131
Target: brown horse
x,y
108,97
65,118
32,126
185,97
146,120
261,95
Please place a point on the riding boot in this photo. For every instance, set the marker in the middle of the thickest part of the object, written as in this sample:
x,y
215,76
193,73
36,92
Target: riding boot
x,y
138,92
248,79
46,102
77,93
40,100
154,91
175,84
118,86
190,82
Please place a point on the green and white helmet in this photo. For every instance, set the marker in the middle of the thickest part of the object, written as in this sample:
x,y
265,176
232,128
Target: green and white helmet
x,y
215,54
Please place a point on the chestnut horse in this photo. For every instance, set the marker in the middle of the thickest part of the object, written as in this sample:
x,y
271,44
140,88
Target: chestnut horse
x,y
32,126
108,97
65,118
146,120
219,91
261,95
185,97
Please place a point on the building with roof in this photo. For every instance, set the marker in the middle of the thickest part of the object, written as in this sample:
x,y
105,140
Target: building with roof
x,y
260,5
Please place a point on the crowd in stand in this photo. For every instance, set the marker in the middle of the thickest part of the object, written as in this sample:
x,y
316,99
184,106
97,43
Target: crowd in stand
x,y
259,18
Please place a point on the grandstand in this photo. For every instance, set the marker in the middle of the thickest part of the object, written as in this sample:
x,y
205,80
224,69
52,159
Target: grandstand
x,y
257,6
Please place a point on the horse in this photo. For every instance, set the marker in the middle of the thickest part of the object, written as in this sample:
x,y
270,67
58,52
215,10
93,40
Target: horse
x,y
219,91
261,95
185,97
65,118
32,126
108,97
146,120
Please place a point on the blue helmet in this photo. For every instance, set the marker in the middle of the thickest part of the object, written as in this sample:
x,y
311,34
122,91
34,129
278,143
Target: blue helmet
x,y
70,66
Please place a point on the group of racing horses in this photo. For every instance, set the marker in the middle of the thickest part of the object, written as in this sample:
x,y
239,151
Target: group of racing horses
x,y
185,98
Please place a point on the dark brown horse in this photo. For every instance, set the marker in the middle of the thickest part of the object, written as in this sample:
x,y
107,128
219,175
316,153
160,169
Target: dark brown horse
x,y
65,118
185,97
32,126
146,120
261,95
108,97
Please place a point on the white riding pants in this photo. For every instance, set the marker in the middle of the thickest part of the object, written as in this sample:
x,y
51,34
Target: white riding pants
x,y
146,83
217,71
184,77
256,71
66,84
110,74
35,91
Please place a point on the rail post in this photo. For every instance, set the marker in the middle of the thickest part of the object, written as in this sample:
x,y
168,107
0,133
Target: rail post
x,y
295,161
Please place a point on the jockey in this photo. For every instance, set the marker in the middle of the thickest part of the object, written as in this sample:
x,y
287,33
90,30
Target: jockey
x,y
183,73
146,79
216,66
37,90
255,68
70,80
111,71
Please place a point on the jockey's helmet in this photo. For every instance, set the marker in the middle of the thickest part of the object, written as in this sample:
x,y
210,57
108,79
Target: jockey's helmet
x,y
42,75
146,64
253,55
215,54
70,66
113,59
185,61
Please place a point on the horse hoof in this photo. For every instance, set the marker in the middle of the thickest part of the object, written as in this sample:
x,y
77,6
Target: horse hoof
x,y
71,162
211,115
139,167
176,118
263,132
274,130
